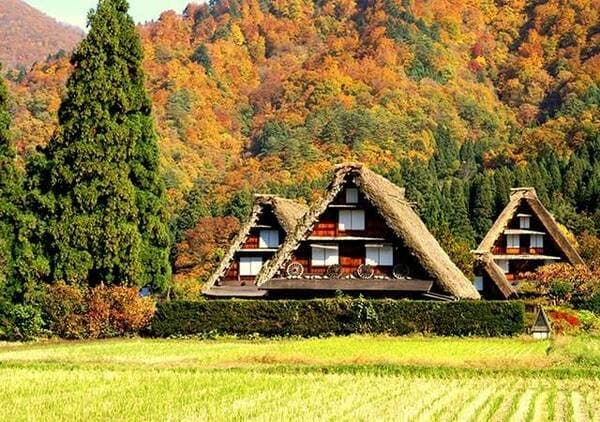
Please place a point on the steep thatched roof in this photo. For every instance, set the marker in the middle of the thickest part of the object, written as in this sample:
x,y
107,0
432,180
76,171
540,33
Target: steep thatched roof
x,y
529,196
484,250
391,203
487,264
286,211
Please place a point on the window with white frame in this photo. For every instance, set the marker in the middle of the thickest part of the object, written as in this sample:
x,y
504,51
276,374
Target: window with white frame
x,y
324,255
513,241
537,241
250,265
351,196
503,264
379,255
268,239
524,221
351,220
478,283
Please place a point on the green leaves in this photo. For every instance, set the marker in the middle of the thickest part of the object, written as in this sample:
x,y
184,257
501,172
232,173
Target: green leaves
x,y
109,223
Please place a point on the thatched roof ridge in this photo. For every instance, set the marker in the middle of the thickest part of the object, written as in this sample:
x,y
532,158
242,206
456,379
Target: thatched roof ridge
x,y
391,203
529,196
487,264
287,212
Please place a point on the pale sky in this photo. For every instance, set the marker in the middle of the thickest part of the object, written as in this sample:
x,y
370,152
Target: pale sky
x,y
75,11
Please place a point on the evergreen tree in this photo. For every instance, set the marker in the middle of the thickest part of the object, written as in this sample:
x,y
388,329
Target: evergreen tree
x,y
503,181
422,187
483,204
20,265
456,211
104,197
9,188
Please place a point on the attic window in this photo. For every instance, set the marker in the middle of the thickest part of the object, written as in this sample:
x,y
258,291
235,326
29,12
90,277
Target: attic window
x,y
351,220
268,239
351,196
524,221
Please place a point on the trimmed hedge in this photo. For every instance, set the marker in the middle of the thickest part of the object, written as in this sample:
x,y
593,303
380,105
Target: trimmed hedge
x,y
308,318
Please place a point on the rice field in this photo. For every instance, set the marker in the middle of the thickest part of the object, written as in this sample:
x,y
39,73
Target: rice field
x,y
341,378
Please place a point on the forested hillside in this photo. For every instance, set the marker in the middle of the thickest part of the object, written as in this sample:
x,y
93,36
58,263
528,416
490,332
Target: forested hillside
x,y
458,101
27,35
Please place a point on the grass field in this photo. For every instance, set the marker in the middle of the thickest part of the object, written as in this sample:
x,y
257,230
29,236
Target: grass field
x,y
341,378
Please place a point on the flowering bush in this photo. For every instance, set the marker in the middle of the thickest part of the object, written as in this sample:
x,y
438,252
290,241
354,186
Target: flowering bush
x,y
76,312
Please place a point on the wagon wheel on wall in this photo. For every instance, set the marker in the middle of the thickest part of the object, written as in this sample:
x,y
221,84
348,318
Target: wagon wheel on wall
x,y
365,271
294,270
334,271
401,271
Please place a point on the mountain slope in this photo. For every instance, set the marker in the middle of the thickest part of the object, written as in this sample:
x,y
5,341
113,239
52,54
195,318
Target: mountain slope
x,y
264,95
28,35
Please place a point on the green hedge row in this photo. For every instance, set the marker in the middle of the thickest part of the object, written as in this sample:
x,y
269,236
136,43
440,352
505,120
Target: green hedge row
x,y
308,318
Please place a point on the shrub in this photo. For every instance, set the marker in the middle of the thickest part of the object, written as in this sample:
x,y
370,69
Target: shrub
x,y
567,284
20,322
117,311
64,309
337,316
76,312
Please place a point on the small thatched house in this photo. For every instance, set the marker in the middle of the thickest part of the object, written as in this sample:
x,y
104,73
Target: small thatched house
x,y
524,237
363,236
271,220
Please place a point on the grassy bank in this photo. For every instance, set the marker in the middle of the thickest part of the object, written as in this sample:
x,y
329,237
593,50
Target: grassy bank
x,y
340,377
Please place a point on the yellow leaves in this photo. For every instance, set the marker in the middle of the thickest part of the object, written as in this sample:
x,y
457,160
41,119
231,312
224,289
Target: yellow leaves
x,y
236,35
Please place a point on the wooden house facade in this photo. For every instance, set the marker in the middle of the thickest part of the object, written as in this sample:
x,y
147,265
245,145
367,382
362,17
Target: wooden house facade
x,y
271,220
524,237
363,237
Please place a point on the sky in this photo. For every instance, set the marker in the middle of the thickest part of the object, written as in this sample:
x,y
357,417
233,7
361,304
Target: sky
x,y
75,11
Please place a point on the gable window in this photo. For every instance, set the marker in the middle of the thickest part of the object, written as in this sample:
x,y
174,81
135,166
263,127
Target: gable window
x,y
250,265
537,241
351,196
324,255
503,264
478,283
379,255
351,220
513,241
268,239
524,221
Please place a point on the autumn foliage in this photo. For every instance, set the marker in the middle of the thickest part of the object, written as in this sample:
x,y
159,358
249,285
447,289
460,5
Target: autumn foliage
x,y
566,284
456,101
72,311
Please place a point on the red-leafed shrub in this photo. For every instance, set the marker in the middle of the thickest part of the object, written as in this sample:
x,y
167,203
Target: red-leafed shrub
x,y
564,322
75,312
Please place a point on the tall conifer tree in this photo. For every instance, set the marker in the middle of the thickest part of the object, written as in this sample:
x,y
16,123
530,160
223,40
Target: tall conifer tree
x,y
107,221
9,187
483,204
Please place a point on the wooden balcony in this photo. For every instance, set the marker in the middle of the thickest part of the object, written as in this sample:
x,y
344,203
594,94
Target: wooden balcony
x,y
498,250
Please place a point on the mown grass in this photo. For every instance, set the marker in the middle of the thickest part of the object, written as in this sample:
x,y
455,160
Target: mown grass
x,y
345,378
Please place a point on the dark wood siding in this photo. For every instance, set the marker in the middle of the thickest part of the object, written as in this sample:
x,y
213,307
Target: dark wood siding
x,y
352,253
267,221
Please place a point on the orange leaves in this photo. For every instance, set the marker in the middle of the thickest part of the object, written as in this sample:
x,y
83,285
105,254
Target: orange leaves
x,y
203,246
